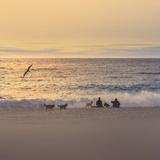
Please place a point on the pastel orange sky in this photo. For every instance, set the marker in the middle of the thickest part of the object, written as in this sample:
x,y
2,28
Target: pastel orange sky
x,y
62,25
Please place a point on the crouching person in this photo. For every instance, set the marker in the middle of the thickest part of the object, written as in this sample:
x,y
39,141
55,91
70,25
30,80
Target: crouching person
x,y
99,103
116,103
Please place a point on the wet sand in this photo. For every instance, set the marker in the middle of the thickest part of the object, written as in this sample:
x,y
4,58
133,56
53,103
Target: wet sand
x,y
88,134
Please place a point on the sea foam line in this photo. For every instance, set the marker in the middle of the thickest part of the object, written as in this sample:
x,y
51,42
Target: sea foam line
x,y
141,99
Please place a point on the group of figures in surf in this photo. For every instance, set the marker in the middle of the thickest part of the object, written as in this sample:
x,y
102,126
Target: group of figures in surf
x,y
99,104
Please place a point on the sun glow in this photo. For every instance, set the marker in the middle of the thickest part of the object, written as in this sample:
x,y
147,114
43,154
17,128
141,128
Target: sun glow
x,y
40,26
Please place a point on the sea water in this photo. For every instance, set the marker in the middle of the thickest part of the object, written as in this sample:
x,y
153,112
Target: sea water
x,y
135,82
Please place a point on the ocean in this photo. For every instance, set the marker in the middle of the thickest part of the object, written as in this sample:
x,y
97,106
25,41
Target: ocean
x,y
135,82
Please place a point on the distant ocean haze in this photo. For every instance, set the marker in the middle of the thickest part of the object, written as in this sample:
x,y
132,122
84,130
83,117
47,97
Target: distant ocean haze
x,y
130,50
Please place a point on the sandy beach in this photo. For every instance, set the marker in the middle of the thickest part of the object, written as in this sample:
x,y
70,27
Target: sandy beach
x,y
91,134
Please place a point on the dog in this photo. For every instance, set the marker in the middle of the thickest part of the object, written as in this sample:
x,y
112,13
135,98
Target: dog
x,y
89,105
63,106
106,105
49,107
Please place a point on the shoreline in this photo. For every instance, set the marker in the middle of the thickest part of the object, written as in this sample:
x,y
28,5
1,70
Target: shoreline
x,y
125,133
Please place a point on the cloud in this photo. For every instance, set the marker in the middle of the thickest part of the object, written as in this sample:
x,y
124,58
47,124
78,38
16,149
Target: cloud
x,y
131,51
61,51
19,50
91,51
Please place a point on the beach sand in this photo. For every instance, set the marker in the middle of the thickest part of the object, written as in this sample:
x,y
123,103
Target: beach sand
x,y
80,134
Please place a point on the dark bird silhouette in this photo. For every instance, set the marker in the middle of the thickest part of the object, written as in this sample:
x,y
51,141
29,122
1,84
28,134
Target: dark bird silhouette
x,y
28,70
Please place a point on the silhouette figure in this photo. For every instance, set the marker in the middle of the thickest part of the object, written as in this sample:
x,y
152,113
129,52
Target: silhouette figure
x,y
99,103
49,107
28,70
63,106
116,103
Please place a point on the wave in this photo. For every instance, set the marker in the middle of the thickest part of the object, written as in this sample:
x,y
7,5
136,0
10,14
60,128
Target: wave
x,y
141,99
118,88
44,69
150,73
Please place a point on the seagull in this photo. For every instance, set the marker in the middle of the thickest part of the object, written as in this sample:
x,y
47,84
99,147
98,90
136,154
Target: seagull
x,y
28,70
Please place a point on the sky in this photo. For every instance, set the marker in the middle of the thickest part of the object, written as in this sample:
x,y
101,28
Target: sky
x,y
80,28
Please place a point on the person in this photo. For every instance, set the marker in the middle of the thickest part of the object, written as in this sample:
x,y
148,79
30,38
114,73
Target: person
x,y
116,103
99,103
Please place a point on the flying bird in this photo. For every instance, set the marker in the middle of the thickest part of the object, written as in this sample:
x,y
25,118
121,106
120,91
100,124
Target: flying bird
x,y
28,70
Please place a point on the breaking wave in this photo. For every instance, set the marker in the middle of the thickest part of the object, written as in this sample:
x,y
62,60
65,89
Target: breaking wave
x,y
150,73
119,88
141,99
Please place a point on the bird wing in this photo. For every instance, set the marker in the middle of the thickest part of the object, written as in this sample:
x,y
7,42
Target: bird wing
x,y
28,69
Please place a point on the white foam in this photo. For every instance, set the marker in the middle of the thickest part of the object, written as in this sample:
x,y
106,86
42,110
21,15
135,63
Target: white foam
x,y
141,99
